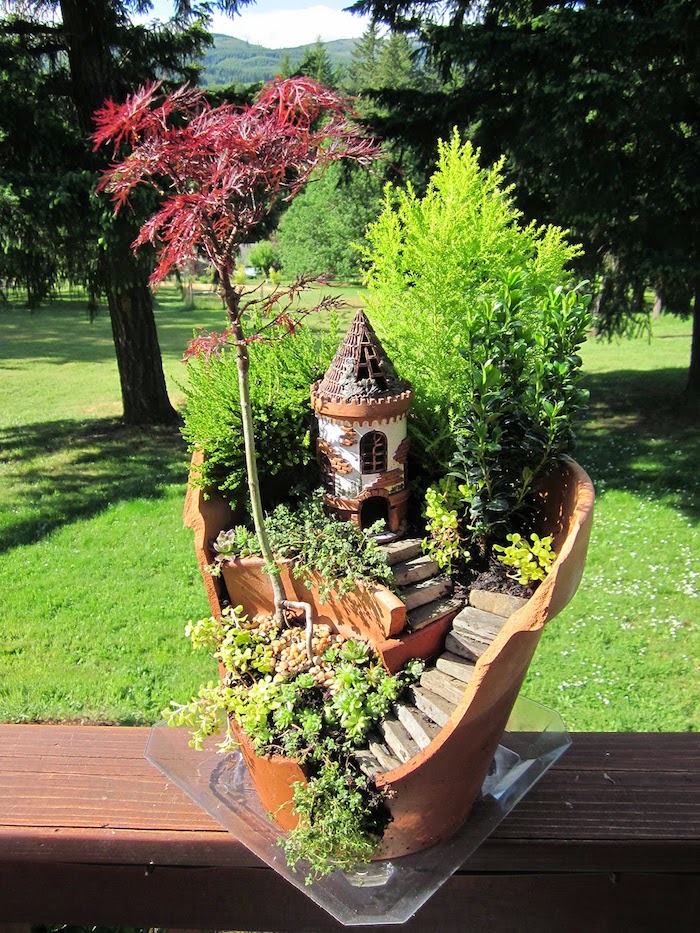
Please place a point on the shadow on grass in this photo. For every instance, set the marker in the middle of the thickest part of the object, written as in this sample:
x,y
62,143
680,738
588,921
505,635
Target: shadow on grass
x,y
640,436
59,471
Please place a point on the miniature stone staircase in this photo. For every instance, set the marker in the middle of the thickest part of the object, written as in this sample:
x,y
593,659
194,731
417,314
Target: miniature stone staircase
x,y
422,586
418,719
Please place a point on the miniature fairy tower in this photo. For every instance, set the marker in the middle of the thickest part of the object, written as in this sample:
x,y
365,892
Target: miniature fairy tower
x,y
361,406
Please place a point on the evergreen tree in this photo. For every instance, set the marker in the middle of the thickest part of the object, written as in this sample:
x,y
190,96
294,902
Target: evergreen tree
x,y
365,55
93,52
317,64
595,105
318,233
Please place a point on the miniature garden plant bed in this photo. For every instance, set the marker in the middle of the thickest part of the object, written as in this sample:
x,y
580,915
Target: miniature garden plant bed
x,y
430,748
353,747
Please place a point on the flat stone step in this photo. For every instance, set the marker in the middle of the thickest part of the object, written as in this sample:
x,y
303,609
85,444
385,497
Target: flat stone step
x,y
500,604
454,665
435,707
385,758
443,685
415,570
421,729
403,549
418,594
478,622
397,739
468,646
432,612
367,762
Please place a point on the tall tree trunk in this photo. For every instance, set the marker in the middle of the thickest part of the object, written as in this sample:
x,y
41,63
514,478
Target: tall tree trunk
x,y
692,389
139,362
88,25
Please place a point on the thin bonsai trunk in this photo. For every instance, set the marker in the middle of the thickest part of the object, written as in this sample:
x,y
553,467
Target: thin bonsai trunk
x,y
243,365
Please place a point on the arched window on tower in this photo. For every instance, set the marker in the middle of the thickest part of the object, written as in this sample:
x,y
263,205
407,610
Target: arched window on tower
x,y
373,450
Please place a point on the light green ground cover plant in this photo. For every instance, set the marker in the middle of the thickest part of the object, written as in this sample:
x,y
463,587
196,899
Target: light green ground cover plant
x,y
530,560
96,569
319,717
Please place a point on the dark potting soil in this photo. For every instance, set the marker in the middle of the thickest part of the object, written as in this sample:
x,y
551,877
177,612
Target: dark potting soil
x,y
493,576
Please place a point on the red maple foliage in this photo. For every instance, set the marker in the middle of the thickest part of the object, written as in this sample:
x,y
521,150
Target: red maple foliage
x,y
222,170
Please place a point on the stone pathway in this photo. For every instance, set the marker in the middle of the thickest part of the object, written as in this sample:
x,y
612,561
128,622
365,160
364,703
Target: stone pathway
x,y
417,720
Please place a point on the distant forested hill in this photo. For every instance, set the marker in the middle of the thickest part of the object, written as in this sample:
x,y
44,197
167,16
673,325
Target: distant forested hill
x,y
233,61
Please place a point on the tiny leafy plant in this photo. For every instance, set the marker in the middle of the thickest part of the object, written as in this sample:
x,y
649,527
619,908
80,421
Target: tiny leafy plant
x,y
531,560
316,543
317,712
281,372
444,543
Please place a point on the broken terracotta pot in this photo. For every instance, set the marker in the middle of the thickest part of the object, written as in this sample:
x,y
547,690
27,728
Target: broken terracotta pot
x,y
431,794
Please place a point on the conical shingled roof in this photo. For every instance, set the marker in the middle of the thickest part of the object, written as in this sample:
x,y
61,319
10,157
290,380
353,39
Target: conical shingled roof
x,y
360,369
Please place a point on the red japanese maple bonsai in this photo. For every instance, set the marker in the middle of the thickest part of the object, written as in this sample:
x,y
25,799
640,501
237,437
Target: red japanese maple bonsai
x,y
221,171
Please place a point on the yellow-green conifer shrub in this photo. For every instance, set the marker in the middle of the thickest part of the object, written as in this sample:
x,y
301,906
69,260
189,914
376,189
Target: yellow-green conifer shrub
x,y
480,312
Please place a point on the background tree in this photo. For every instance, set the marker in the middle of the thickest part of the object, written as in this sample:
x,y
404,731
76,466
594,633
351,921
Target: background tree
x,y
92,51
317,235
317,64
595,105
224,171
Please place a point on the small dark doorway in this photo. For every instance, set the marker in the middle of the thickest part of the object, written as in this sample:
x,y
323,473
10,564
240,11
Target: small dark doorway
x,y
374,510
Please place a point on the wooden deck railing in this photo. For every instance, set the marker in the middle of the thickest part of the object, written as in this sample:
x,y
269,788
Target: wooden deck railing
x,y
91,833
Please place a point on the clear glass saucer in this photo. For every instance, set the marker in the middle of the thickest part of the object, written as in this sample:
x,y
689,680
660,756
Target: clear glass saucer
x,y
388,891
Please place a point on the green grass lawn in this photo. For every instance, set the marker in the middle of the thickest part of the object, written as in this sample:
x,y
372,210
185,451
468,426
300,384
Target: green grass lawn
x,y
98,575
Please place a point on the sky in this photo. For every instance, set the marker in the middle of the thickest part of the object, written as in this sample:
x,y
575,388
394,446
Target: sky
x,y
278,24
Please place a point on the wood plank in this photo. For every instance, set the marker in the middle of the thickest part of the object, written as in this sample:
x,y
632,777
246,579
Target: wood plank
x,y
628,799
228,899
650,751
